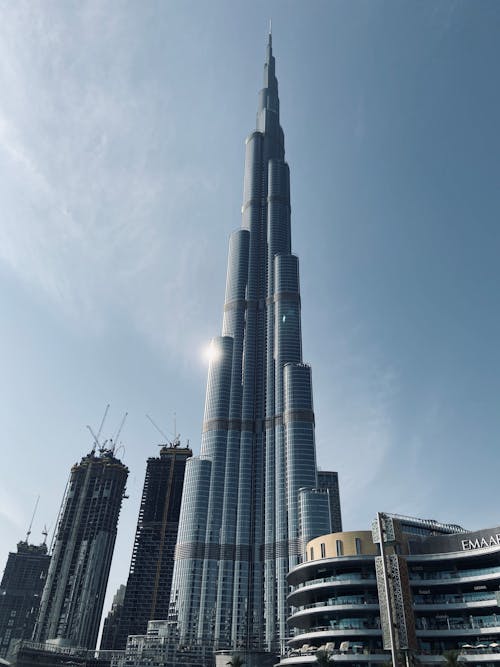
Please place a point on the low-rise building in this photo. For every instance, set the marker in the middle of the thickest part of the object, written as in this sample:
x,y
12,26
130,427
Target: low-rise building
x,y
424,589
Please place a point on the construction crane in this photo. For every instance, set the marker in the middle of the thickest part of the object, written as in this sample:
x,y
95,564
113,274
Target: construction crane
x,y
115,439
177,437
95,437
32,519
101,446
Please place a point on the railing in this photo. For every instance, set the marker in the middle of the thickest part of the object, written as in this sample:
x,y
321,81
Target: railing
x,y
336,628
344,577
450,624
452,574
76,652
337,601
361,650
311,650
453,598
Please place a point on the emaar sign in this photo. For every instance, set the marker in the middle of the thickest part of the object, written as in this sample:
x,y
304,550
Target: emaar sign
x,y
481,543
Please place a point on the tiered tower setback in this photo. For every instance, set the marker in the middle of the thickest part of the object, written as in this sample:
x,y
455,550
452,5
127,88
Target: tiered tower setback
x,y
239,526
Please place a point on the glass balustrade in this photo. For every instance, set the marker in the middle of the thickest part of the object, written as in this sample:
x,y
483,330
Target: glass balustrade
x,y
457,622
454,598
344,576
452,574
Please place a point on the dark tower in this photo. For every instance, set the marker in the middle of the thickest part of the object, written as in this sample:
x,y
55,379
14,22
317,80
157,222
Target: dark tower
x,y
150,577
20,592
329,480
71,607
112,621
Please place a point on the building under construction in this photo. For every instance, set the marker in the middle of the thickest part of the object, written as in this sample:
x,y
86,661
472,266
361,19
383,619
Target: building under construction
x,y
73,597
20,592
150,577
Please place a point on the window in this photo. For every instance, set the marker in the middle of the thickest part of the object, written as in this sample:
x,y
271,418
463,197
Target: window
x,y
312,553
358,545
323,551
340,548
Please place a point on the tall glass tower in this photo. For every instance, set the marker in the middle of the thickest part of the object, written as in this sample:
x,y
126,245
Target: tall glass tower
x,y
239,528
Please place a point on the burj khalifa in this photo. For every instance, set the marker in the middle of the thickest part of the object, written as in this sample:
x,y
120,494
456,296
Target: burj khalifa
x,y
240,529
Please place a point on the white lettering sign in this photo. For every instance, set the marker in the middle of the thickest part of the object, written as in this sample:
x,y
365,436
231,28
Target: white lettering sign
x,y
483,543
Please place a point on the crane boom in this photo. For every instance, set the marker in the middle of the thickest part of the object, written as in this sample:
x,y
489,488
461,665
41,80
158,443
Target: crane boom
x,y
102,422
115,439
158,429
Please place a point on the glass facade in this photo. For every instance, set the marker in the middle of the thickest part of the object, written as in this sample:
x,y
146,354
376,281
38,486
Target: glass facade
x,y
314,512
328,479
239,527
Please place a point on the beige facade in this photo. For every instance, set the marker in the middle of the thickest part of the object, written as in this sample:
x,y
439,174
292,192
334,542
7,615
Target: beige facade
x,y
351,543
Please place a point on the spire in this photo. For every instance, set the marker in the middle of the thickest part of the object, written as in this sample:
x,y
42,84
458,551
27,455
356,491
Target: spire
x,y
269,49
268,107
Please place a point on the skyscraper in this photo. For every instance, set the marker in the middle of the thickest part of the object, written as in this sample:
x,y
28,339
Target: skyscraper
x,y
20,592
150,577
111,625
327,479
239,527
72,600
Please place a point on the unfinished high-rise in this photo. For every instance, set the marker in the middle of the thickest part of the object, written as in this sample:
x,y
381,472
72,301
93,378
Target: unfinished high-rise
x,y
73,597
148,587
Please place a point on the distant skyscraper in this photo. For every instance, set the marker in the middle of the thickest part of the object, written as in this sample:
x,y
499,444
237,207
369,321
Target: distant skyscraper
x,y
330,480
239,528
71,607
20,592
150,577
111,624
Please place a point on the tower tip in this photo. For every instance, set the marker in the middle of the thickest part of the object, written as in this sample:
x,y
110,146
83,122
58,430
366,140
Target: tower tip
x,y
270,34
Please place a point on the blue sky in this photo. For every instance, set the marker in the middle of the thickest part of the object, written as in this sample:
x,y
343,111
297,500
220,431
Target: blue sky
x,y
122,130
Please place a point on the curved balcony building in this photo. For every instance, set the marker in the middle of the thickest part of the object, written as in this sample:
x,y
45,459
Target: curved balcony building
x,y
439,591
334,601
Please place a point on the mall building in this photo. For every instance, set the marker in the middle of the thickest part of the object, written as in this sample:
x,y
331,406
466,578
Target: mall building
x,y
407,591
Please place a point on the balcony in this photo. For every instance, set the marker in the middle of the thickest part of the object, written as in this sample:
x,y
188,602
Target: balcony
x,y
323,634
453,576
331,610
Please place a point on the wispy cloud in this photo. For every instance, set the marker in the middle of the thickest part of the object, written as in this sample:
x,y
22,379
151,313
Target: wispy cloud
x,y
95,202
355,418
